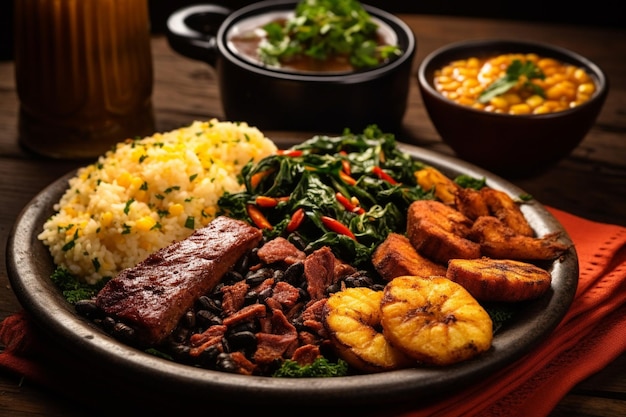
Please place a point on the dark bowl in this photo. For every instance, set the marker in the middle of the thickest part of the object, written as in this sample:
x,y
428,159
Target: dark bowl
x,y
274,99
509,145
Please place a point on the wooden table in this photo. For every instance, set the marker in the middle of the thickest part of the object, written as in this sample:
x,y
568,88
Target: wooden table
x,y
590,183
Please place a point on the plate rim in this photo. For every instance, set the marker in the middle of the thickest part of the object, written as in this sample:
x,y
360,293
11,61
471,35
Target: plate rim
x,y
56,317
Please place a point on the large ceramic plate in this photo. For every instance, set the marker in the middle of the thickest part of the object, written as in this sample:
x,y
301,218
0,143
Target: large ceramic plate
x,y
30,265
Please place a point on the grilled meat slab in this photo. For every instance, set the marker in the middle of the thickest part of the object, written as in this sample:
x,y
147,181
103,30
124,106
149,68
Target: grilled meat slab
x,y
152,296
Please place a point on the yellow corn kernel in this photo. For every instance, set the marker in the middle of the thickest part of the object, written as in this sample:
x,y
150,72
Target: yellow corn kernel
x,y
587,88
542,110
443,79
534,101
145,223
175,209
511,98
124,179
581,76
106,218
466,101
136,182
580,99
547,63
521,108
556,92
473,63
469,83
499,103
451,86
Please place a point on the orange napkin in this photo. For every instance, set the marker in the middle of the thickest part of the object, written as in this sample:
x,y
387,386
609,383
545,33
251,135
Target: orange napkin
x,y
590,337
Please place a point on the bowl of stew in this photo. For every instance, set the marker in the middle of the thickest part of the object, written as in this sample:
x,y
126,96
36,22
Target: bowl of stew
x,y
299,91
513,107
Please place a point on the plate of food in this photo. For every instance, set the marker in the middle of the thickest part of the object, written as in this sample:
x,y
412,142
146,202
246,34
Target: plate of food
x,y
212,263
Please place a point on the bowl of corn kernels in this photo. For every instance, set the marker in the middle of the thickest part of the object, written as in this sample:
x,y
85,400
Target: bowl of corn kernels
x,y
515,108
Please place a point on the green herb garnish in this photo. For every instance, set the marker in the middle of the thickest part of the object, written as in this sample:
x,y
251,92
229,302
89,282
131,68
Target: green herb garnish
x,y
515,72
74,290
324,28
320,368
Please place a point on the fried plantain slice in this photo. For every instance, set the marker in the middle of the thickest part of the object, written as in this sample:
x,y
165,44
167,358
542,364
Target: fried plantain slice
x,y
352,319
439,232
499,279
434,320
395,256
500,241
444,188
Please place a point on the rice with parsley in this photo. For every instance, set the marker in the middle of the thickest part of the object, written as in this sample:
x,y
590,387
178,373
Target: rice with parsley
x,y
147,193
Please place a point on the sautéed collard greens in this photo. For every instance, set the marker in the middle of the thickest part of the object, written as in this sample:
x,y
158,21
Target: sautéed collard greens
x,y
347,192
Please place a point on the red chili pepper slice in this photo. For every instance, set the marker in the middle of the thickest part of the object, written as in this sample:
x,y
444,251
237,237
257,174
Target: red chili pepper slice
x,y
383,175
349,205
266,202
256,178
337,226
258,218
296,220
345,164
346,178
289,152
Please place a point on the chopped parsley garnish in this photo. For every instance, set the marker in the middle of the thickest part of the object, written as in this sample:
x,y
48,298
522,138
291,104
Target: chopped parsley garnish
x,y
190,222
72,289
516,72
173,188
96,264
127,206
320,368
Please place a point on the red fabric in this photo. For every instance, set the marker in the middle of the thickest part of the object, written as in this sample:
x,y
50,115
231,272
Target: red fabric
x,y
590,337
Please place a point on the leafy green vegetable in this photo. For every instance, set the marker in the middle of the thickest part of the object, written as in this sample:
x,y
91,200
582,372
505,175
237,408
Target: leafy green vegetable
x,y
500,313
324,28
321,367
72,289
467,181
311,178
518,70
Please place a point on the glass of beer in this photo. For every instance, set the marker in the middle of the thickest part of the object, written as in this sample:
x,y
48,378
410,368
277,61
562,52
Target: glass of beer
x,y
84,75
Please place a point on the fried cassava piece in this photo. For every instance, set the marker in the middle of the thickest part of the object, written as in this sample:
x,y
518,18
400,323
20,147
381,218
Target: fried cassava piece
x,y
396,256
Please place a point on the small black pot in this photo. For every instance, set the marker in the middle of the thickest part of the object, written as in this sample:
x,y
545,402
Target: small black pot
x,y
274,99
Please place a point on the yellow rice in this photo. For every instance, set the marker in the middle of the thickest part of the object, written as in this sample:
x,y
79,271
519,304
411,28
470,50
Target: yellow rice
x,y
147,193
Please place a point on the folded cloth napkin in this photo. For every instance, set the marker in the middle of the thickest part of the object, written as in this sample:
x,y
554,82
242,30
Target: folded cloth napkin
x,y
590,337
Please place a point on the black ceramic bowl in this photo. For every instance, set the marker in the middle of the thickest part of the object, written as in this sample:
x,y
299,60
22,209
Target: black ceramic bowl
x,y
276,99
509,145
